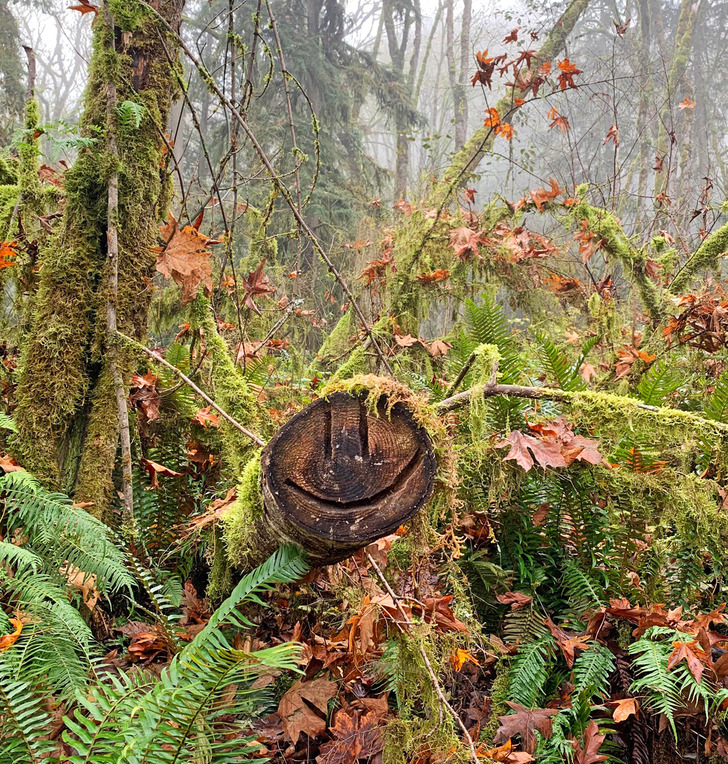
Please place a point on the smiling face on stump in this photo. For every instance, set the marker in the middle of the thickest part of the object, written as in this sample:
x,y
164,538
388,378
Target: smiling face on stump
x,y
341,472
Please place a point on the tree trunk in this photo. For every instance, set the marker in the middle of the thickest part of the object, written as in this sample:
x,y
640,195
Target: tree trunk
x,y
67,411
339,475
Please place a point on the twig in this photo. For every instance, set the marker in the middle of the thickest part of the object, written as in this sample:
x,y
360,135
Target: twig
x,y
112,242
158,358
461,376
30,89
433,676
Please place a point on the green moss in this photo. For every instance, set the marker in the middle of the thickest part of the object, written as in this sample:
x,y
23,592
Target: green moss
x,y
498,698
422,724
337,343
62,357
231,391
705,257
617,246
239,522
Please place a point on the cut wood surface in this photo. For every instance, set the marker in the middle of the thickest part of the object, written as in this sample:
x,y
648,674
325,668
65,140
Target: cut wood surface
x,y
340,475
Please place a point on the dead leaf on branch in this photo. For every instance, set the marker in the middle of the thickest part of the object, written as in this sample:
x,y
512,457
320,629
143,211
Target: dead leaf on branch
x,y
185,258
256,284
557,446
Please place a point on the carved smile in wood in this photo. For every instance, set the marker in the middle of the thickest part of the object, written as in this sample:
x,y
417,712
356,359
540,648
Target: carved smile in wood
x,y
343,472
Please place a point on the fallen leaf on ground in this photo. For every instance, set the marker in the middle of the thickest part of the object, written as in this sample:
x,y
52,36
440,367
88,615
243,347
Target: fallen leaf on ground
x,y
525,722
299,706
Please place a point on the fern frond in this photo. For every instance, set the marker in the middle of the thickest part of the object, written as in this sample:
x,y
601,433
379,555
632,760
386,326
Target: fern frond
x,y
185,715
530,672
716,407
7,423
658,383
661,688
556,364
487,324
24,722
591,673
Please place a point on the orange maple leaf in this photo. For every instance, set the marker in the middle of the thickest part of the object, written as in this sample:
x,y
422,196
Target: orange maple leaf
x,y
8,640
492,118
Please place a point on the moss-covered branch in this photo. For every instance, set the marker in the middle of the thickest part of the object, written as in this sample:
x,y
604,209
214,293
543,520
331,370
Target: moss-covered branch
x,y
705,256
605,226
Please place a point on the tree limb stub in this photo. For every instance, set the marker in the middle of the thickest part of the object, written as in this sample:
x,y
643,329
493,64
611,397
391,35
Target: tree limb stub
x,y
339,475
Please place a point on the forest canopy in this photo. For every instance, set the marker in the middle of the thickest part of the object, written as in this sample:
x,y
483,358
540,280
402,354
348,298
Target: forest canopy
x,y
364,372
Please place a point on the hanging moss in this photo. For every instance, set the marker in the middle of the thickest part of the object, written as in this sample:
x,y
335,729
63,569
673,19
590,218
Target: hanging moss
x,y
61,362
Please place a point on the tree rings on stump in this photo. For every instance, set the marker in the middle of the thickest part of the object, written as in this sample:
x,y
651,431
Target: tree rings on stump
x,y
340,475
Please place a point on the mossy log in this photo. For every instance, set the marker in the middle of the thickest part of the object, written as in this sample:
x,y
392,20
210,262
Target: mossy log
x,y
341,474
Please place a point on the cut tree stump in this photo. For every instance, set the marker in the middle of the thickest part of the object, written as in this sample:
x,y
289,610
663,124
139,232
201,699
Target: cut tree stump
x,y
338,476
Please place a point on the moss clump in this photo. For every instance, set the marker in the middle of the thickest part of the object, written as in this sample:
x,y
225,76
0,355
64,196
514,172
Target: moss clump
x,y
337,342
498,698
422,724
354,365
231,390
240,521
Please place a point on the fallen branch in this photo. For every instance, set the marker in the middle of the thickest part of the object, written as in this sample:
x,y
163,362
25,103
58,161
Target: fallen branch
x,y
431,672
158,358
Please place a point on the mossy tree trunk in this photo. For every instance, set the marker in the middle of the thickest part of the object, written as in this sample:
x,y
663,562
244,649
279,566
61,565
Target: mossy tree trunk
x,y
66,410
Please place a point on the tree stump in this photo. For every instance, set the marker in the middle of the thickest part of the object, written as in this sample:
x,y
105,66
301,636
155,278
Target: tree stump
x,y
339,475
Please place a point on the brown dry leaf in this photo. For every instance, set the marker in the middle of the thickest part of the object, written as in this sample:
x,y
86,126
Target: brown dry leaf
x,y
145,396
147,641
568,643
256,284
525,722
588,372
185,259
298,708
8,464
516,600
527,451
624,708
465,242
505,753
592,743
439,347
216,510
8,640
84,582
405,340
84,6
154,470
355,737
541,514
205,417
692,653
